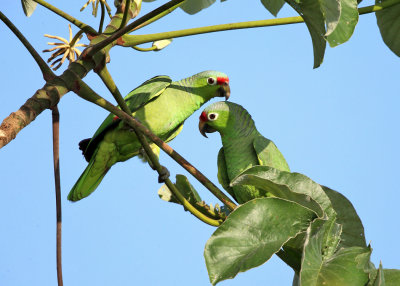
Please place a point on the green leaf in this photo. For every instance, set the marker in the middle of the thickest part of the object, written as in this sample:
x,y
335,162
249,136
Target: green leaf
x,y
194,6
29,6
252,234
295,182
347,23
331,9
389,24
322,267
187,190
273,6
276,183
352,228
311,12
392,277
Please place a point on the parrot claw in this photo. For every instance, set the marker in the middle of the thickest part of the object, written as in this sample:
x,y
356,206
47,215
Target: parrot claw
x,y
164,175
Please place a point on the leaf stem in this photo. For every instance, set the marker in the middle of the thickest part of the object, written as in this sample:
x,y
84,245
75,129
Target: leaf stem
x,y
76,37
134,40
103,12
152,48
46,71
377,7
126,12
56,161
88,29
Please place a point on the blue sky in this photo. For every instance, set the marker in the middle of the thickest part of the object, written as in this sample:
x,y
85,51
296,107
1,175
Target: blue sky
x,y
337,124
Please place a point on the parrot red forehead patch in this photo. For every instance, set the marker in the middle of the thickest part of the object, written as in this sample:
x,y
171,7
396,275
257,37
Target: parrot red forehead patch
x,y
222,80
203,116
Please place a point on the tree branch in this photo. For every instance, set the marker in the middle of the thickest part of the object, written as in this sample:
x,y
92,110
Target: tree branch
x,y
127,8
46,71
56,160
49,95
103,12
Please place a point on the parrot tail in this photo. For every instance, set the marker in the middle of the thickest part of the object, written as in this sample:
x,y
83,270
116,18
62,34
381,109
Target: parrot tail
x,y
87,182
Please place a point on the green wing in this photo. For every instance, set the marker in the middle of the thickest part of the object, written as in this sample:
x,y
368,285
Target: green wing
x,y
268,154
137,98
223,178
147,91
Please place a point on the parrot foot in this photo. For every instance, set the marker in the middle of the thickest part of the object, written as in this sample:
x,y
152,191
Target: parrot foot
x,y
164,175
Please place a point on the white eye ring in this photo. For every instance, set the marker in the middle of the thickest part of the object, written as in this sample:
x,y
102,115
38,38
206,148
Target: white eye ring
x,y
211,81
212,116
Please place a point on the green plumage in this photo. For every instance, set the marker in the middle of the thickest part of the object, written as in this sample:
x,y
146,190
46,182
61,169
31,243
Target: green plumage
x,y
162,106
243,147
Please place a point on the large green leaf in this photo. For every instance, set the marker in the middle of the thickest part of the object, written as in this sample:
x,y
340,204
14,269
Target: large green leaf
x,y
389,24
252,234
321,266
384,277
273,6
194,6
392,277
346,25
312,14
28,6
352,228
276,183
295,182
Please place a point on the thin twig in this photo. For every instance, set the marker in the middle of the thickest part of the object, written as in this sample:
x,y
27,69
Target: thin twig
x,y
46,71
103,12
126,12
56,160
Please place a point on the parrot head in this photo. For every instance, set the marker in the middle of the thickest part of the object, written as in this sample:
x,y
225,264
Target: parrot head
x,y
215,83
219,116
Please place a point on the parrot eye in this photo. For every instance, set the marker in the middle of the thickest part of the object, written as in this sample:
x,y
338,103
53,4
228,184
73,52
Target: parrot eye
x,y
212,116
211,81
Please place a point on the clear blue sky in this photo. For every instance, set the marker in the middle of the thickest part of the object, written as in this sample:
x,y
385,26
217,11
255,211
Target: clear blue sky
x,y
337,124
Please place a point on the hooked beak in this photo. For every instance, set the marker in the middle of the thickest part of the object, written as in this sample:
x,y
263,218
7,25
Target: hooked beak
x,y
205,128
224,90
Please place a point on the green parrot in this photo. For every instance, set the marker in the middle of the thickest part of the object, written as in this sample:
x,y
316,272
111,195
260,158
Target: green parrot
x,y
162,106
242,147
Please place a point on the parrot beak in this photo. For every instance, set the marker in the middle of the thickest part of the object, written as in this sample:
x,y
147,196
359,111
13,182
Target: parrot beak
x,y
205,128
224,90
